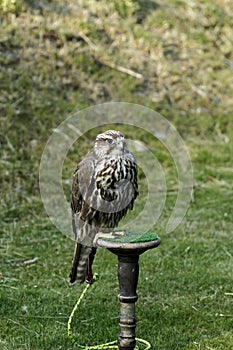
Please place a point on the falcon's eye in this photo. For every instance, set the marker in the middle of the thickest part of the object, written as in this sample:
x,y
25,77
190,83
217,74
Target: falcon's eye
x,y
110,141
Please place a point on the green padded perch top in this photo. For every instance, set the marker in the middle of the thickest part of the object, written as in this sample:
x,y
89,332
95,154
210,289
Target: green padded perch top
x,y
131,237
127,240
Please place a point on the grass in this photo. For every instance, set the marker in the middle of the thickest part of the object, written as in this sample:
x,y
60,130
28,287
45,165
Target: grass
x,y
48,70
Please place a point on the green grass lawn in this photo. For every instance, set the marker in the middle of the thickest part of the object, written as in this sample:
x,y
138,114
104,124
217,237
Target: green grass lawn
x,y
60,57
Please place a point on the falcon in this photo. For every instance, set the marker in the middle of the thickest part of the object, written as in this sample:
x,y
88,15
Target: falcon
x,y
104,188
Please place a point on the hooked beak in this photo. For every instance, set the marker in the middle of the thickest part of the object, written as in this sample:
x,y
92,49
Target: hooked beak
x,y
121,145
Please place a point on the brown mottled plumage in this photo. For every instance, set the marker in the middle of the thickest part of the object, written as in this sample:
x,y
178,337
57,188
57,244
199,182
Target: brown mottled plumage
x,y
104,189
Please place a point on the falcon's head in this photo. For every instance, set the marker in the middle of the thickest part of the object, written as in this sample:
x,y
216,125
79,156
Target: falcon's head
x,y
109,143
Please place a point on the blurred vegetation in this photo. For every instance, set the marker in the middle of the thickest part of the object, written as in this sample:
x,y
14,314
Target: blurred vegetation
x,y
174,56
10,6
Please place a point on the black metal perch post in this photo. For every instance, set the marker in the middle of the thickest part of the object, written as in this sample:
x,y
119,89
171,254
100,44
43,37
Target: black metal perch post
x,y
128,270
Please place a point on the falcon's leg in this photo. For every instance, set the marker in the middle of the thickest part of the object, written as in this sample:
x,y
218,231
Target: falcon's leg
x,y
89,274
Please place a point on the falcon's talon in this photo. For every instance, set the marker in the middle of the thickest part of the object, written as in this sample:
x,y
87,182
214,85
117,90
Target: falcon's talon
x,y
92,279
89,281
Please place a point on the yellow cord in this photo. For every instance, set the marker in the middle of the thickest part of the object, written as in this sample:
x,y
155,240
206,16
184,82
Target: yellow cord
x,y
110,345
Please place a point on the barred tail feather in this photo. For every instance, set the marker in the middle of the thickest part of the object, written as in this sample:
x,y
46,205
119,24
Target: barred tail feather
x,y
80,261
